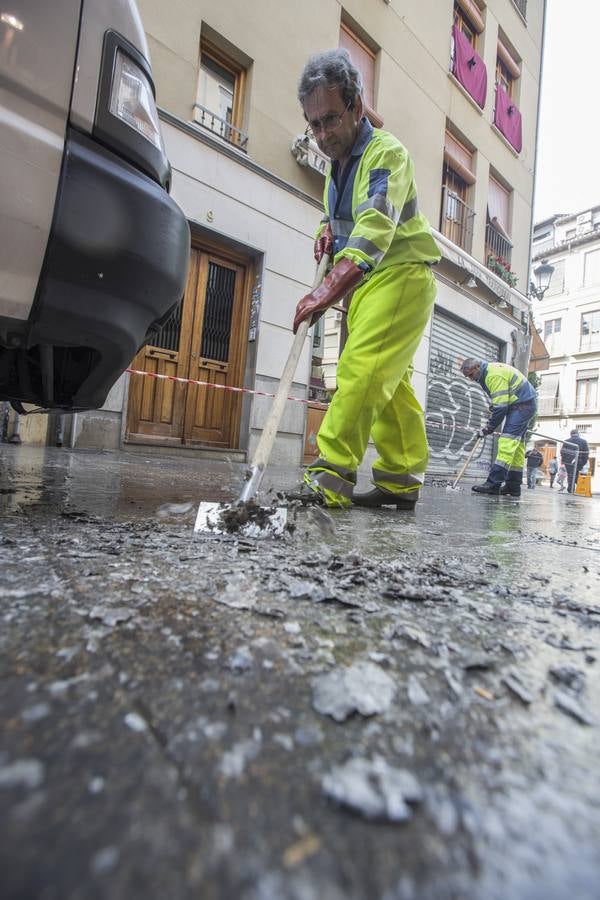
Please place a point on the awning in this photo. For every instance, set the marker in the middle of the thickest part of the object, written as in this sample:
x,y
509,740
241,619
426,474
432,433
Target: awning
x,y
548,389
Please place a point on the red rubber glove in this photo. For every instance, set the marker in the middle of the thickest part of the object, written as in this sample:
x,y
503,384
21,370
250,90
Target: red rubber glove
x,y
342,279
324,243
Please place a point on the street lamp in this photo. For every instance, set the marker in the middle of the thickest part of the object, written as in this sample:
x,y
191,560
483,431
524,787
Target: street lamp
x,y
543,276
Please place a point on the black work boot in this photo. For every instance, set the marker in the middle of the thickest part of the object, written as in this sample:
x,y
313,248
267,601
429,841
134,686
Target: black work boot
x,y
486,488
512,487
378,496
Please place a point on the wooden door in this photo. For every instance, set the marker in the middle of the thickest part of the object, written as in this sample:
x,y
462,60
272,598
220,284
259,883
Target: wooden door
x,y
204,340
211,415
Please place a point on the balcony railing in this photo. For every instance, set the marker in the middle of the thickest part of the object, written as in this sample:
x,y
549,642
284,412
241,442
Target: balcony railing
x,y
549,406
522,7
496,244
222,127
457,220
589,342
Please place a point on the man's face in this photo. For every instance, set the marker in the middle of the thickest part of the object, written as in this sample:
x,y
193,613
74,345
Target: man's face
x,y
473,373
333,124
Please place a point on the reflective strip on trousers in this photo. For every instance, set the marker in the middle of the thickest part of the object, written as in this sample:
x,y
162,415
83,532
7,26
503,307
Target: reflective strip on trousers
x,y
408,480
347,474
332,483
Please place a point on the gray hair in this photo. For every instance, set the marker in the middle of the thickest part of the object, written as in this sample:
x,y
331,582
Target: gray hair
x,y
469,363
331,69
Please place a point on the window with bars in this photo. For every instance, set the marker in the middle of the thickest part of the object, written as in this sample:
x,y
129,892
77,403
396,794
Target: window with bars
x,y
219,102
457,217
497,231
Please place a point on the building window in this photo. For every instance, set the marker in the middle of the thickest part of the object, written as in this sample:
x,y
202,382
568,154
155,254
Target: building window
x,y
571,233
468,20
365,60
457,217
548,394
507,117
498,244
508,69
504,77
557,282
465,63
551,327
590,330
586,396
592,267
220,98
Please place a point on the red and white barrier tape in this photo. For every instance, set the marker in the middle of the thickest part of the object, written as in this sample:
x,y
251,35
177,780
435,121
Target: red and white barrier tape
x,y
220,387
238,390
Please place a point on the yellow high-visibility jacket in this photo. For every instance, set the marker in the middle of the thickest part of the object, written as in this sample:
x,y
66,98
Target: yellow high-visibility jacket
x,y
505,386
372,206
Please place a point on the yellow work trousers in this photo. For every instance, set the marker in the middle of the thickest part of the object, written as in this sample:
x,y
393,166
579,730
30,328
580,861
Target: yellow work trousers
x,y
374,396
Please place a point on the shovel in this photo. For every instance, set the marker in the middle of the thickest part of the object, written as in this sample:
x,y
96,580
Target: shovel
x,y
245,515
464,468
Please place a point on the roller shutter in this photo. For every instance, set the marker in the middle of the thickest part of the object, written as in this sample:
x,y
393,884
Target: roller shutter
x,y
456,407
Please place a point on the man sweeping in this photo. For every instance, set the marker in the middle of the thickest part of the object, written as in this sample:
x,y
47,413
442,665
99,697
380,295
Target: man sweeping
x,y
382,250
513,401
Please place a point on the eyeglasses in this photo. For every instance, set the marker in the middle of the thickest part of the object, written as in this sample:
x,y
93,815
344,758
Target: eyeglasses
x,y
327,123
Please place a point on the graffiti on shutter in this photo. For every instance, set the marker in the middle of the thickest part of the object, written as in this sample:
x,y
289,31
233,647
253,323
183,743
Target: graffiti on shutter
x,y
456,407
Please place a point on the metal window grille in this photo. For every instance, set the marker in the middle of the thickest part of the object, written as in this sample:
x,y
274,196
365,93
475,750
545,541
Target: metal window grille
x,y
496,243
457,220
218,310
168,336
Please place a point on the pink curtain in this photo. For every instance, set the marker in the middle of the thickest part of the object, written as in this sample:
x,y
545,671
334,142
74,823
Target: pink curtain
x,y
469,68
507,119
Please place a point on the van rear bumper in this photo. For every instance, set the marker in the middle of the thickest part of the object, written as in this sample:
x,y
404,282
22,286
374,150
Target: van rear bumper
x,y
116,261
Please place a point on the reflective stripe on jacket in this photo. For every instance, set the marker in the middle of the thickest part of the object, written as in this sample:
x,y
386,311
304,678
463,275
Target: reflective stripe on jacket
x,y
372,205
505,386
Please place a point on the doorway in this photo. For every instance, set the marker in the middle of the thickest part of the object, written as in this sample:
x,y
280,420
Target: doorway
x,y
205,339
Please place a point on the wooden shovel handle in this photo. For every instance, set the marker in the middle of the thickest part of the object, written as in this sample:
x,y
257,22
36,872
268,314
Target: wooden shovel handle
x,y
267,438
467,461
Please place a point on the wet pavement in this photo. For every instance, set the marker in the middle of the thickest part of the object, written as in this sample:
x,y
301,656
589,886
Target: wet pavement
x,y
392,706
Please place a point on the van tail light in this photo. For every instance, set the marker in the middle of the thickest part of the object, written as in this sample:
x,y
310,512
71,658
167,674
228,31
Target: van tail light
x,y
132,100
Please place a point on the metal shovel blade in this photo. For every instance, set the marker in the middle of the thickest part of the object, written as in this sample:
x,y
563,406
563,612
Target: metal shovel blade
x,y
243,519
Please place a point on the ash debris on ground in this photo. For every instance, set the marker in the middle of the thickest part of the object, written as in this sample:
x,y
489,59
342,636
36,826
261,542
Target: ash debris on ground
x,y
390,708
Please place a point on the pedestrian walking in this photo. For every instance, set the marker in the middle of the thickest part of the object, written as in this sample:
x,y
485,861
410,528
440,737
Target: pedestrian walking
x,y
574,454
382,249
513,402
552,470
534,460
562,478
